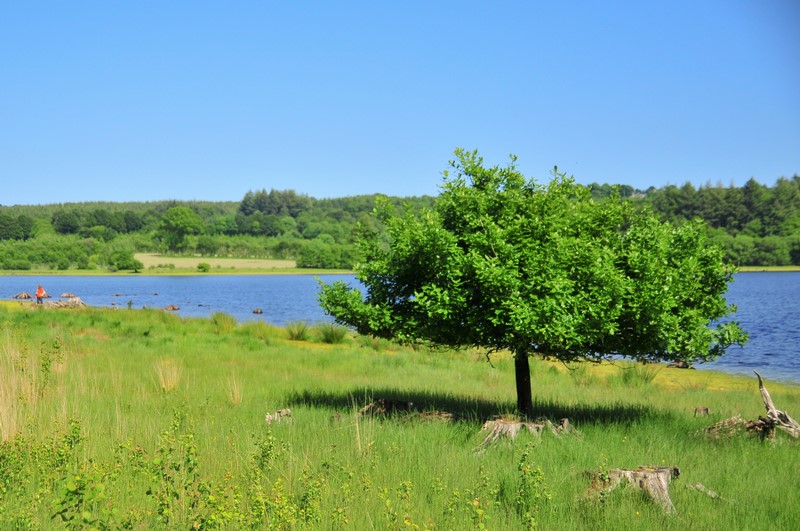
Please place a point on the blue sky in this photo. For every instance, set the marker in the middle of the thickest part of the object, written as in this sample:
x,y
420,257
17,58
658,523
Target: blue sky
x,y
150,100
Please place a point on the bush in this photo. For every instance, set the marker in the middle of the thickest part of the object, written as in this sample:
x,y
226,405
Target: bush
x,y
204,267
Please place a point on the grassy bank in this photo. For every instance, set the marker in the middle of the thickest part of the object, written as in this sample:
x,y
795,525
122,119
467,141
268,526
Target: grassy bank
x,y
141,419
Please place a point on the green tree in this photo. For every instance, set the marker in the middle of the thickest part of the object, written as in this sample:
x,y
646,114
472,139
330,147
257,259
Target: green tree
x,y
67,221
176,224
503,263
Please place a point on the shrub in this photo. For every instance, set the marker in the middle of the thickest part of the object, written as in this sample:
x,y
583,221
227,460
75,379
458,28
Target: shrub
x,y
204,267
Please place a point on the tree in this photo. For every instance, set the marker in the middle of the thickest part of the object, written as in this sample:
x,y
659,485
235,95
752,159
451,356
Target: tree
x,y
177,223
504,263
67,221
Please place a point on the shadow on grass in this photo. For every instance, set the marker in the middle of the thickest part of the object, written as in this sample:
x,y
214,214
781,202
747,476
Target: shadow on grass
x,y
474,410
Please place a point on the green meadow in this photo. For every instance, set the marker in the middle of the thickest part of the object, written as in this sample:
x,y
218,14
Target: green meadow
x,y
139,419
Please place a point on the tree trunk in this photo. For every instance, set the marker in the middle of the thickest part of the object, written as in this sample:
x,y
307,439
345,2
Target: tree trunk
x,y
523,376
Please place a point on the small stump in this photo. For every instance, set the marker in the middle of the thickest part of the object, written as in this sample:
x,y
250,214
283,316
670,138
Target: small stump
x,y
278,416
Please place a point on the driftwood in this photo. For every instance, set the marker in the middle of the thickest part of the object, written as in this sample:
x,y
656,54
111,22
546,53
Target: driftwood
x,y
775,417
68,295
172,308
764,427
281,414
23,296
651,480
511,427
727,427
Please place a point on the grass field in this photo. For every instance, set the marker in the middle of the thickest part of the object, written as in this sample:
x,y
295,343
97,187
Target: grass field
x,y
139,419
155,261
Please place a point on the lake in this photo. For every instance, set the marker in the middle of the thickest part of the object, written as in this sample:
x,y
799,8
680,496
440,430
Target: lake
x,y
768,306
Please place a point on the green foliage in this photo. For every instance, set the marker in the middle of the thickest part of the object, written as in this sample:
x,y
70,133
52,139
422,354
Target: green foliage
x,y
204,267
504,263
176,224
530,492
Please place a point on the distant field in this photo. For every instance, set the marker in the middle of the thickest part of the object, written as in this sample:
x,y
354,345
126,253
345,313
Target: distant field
x,y
154,261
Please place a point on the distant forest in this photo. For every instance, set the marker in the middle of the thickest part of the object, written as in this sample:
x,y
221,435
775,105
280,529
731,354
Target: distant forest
x,y
757,225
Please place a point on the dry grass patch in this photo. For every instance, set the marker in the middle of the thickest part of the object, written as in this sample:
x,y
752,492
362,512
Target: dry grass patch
x,y
150,260
234,390
169,373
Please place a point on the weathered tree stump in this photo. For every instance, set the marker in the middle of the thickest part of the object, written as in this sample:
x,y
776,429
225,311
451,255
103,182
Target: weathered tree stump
x,y
653,481
23,296
511,427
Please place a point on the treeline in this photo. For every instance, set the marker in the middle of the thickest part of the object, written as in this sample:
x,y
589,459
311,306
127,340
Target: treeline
x,y
757,225
316,233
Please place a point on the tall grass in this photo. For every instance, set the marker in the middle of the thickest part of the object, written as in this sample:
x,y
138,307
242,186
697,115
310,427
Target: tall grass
x,y
99,445
331,333
298,330
169,373
234,391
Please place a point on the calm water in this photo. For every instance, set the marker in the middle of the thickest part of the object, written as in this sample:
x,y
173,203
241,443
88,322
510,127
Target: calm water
x,y
768,306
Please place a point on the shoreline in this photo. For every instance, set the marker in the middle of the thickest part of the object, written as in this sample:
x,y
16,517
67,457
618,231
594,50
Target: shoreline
x,y
154,264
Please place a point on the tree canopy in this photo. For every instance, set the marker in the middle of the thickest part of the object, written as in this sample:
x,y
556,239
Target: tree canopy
x,y
177,223
504,263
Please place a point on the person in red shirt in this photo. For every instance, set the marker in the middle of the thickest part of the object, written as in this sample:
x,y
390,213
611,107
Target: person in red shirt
x,y
40,294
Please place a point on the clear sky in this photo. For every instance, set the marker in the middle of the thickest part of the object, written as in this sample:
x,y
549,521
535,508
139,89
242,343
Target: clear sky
x,y
147,100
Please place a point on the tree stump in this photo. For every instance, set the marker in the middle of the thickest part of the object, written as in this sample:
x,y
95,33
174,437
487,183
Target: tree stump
x,y
651,480
511,427
280,415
